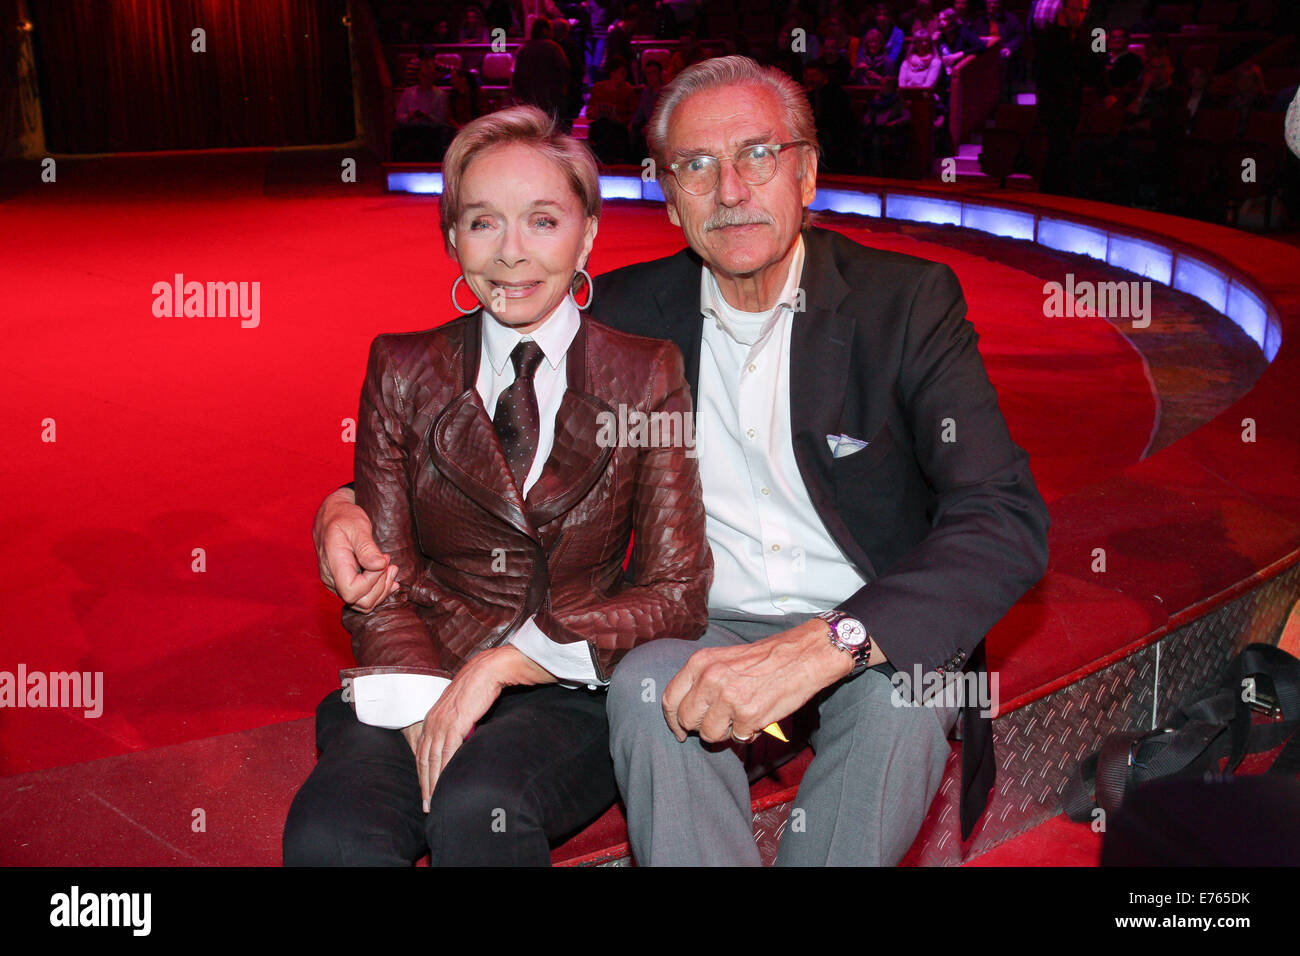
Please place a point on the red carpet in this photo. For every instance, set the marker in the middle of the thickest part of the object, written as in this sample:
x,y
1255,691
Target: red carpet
x,y
175,434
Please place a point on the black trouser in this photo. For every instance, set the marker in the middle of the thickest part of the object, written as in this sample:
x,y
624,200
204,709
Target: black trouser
x,y
535,770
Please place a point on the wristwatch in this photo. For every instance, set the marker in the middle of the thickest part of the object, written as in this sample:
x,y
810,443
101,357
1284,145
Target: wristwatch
x,y
849,635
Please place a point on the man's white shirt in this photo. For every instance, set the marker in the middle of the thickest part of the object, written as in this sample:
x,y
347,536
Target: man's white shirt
x,y
771,552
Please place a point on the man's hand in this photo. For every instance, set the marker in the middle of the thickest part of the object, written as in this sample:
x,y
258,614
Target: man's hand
x,y
734,692
466,699
351,564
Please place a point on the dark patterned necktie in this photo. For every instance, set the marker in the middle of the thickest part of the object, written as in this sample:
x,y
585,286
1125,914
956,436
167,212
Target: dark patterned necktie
x,y
516,419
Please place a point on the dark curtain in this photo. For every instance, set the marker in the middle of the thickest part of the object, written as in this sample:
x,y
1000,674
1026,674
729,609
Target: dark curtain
x,y
120,75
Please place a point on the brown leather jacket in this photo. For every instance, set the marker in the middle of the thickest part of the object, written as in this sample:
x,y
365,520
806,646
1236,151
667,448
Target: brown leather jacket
x,y
476,559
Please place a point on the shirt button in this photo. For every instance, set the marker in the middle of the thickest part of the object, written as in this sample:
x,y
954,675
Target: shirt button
x,y
750,432
776,547
718,322
753,368
767,491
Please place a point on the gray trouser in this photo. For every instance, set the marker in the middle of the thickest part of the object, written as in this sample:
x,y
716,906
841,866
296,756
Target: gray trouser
x,y
875,770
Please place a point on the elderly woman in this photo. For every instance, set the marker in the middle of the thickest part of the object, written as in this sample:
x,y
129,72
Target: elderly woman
x,y
491,461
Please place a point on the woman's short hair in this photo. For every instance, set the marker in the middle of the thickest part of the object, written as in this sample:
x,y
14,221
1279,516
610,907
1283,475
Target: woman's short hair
x,y
527,126
726,71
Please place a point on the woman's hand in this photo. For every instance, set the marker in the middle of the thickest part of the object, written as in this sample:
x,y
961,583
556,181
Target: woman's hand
x,y
467,698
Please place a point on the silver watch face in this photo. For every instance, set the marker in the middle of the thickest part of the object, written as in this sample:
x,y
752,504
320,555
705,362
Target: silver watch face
x,y
850,632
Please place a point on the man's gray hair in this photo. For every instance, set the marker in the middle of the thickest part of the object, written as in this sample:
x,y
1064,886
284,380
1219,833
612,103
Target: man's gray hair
x,y
726,71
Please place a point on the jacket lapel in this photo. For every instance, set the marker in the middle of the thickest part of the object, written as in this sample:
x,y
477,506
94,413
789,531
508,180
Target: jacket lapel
x,y
577,457
821,353
464,447
679,306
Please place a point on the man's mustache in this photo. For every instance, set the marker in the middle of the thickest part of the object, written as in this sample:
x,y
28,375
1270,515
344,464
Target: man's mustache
x,y
724,219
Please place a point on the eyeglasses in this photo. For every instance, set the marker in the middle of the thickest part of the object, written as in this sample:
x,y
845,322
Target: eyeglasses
x,y
755,165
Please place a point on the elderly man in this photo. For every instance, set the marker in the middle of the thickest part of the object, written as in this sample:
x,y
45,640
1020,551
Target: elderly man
x,y
869,515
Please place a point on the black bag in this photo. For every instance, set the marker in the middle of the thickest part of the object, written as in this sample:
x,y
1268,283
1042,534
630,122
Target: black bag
x,y
1262,678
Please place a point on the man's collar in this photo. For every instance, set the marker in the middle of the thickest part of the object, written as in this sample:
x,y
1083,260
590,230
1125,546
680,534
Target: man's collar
x,y
714,306
554,336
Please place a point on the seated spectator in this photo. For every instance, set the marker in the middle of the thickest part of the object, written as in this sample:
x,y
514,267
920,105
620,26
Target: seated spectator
x,y
1156,107
562,34
465,101
833,116
788,57
443,33
645,107
833,56
874,63
541,75
920,70
890,31
955,41
1123,68
688,52
610,108
422,131
473,27
886,126
1001,27
1248,91
619,41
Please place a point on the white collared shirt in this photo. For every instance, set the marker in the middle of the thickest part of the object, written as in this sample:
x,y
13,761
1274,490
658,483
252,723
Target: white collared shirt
x,y
771,552
496,373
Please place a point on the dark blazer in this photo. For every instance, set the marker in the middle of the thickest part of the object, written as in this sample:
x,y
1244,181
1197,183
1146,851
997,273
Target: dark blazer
x,y
939,512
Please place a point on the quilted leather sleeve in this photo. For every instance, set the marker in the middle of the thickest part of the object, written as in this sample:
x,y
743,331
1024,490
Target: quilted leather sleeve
x,y
394,634
674,566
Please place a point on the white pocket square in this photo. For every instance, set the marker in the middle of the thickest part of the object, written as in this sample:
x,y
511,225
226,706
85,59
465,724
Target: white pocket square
x,y
843,446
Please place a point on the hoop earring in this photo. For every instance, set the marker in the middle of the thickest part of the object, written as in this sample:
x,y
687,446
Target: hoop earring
x,y
591,289
459,279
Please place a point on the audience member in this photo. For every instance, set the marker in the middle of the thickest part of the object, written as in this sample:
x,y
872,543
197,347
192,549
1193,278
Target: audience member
x,y
834,54
619,42
645,107
874,63
1123,68
473,28
601,14
465,101
893,35
421,133
921,68
886,127
561,34
610,108
1001,26
541,75
689,52
955,41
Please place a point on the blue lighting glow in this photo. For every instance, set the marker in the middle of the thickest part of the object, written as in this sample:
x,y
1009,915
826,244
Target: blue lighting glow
x,y
415,182
620,187
1068,236
847,200
1246,309
1203,281
651,190
943,212
1145,258
1000,222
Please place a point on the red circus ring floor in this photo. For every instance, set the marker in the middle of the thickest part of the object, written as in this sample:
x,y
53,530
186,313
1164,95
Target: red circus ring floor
x,y
179,434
